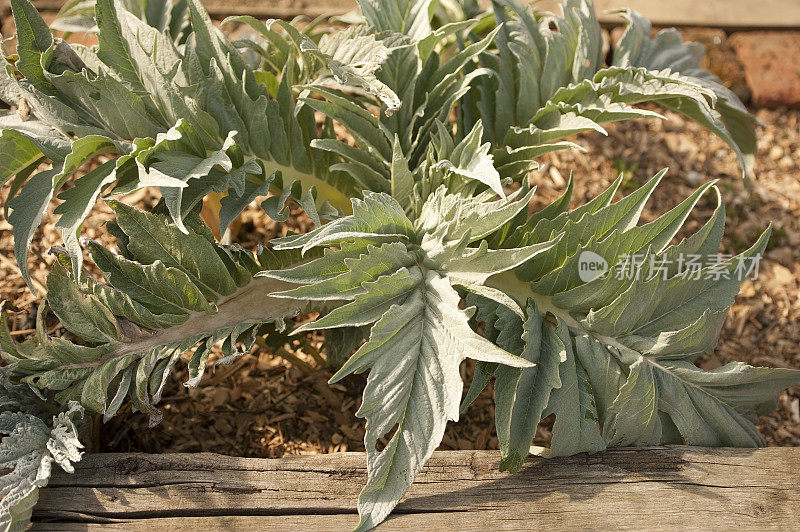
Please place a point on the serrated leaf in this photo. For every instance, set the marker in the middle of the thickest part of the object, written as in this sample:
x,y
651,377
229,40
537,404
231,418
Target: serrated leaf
x,y
83,315
706,406
641,385
521,396
551,83
471,159
373,263
147,313
424,388
410,17
451,217
577,426
633,416
377,216
667,50
184,167
402,179
232,205
161,241
34,39
78,202
418,335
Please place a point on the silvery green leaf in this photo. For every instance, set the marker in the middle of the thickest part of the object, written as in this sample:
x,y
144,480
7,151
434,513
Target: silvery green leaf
x,y
471,159
633,416
373,300
402,179
160,240
515,162
171,292
418,336
332,263
538,70
577,426
148,62
366,128
410,17
351,56
618,243
451,217
428,91
372,263
521,395
31,203
628,86
75,16
377,216
185,167
630,338
79,15
28,209
623,215
427,44
35,434
235,202
33,40
468,266
105,103
683,314
707,407
86,316
407,355
78,202
666,50
174,116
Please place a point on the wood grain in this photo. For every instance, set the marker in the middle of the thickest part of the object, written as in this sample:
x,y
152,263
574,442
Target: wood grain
x,y
659,488
715,13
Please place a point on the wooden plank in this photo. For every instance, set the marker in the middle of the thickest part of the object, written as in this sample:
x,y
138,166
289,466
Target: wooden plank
x,y
715,13
657,488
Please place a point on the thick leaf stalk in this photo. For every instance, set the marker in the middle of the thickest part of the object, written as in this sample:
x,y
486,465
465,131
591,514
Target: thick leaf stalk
x,y
163,294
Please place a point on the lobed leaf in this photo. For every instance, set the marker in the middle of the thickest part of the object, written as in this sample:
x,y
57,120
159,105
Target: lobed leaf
x,y
404,290
168,292
625,343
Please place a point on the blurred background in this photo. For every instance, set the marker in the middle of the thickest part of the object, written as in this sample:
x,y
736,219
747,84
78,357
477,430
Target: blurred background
x,y
719,13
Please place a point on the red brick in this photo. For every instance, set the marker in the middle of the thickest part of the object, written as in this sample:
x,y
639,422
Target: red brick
x,y
771,62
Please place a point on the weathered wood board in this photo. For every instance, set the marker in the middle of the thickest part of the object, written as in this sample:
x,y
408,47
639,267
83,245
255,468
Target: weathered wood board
x,y
654,489
717,13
